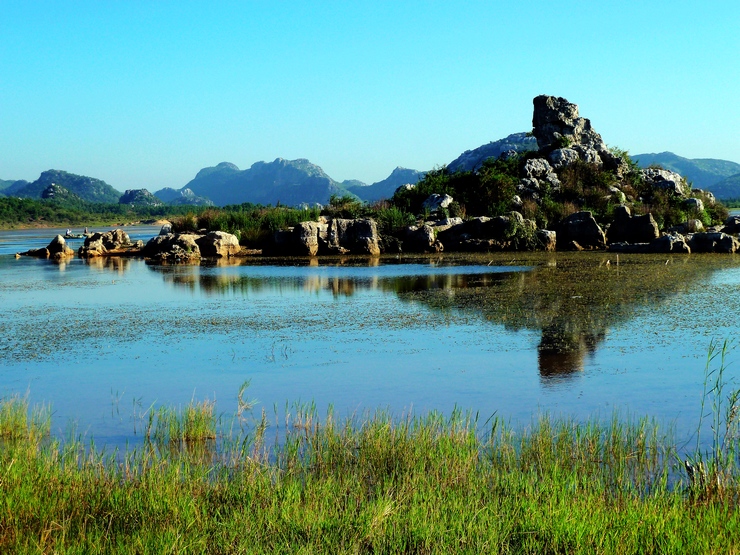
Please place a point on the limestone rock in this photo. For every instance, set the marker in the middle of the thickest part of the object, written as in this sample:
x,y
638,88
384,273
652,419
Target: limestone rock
x,y
436,202
667,180
173,247
421,239
582,229
556,123
356,236
547,240
629,229
109,243
713,242
732,225
218,244
58,248
694,204
561,157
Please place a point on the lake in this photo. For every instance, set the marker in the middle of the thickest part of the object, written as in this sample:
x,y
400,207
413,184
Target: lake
x,y
512,334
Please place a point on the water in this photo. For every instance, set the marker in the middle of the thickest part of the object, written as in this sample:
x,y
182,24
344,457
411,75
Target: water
x,y
579,334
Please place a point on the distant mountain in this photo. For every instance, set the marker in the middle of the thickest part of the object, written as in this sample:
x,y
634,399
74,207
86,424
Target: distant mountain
x,y
9,187
703,173
139,197
181,196
288,182
471,160
87,188
728,188
59,194
384,189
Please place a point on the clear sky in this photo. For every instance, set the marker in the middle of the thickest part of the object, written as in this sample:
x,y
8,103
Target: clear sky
x,y
145,94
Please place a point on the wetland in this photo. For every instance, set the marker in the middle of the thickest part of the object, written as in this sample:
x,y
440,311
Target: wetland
x,y
580,335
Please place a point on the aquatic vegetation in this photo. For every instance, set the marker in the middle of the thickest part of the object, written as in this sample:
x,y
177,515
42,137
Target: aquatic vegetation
x,y
368,484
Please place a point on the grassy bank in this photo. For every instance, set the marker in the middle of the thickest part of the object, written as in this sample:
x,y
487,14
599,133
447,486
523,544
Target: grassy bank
x,y
428,484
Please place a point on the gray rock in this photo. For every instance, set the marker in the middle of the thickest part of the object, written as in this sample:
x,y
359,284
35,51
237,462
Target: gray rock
x,y
537,168
629,229
674,243
582,229
713,242
556,121
435,202
421,239
173,247
694,204
218,244
732,225
355,236
667,180
562,157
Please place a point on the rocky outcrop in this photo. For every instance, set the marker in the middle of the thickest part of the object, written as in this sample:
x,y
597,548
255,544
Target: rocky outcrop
x,y
732,225
483,234
218,244
352,236
336,236
111,243
713,242
436,202
667,180
180,247
557,126
580,231
421,239
631,229
57,249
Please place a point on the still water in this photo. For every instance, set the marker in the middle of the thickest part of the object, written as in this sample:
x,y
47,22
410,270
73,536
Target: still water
x,y
514,334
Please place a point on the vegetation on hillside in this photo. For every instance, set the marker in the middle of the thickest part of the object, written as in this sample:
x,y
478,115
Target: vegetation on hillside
x,y
22,212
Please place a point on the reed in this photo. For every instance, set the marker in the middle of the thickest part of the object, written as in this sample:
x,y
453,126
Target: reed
x,y
378,483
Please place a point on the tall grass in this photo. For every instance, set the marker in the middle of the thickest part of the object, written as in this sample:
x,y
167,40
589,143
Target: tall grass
x,y
373,484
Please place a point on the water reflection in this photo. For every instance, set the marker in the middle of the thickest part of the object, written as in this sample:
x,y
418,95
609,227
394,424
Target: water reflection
x,y
572,300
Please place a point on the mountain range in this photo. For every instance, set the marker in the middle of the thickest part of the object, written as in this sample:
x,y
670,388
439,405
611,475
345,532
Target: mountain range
x,y
721,177
295,182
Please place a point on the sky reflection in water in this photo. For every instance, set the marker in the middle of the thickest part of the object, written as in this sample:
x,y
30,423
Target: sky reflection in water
x,y
103,341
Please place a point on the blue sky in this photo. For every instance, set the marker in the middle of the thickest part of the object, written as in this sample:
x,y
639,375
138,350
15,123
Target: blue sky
x,y
145,94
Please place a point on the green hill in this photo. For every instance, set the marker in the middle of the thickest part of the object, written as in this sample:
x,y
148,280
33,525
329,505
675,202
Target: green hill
x,y
702,173
728,188
87,188
288,182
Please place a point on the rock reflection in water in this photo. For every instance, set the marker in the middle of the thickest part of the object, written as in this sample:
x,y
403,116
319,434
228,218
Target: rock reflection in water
x,y
571,299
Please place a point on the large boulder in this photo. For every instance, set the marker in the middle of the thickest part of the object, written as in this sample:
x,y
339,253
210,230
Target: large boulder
x,y
732,225
556,123
713,242
436,202
173,247
218,244
421,239
58,248
114,242
580,230
666,180
631,229
352,236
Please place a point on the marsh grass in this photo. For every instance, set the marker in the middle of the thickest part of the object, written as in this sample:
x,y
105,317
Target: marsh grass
x,y
377,483
196,422
713,472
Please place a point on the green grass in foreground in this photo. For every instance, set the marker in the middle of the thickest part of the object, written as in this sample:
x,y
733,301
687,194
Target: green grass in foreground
x,y
430,484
